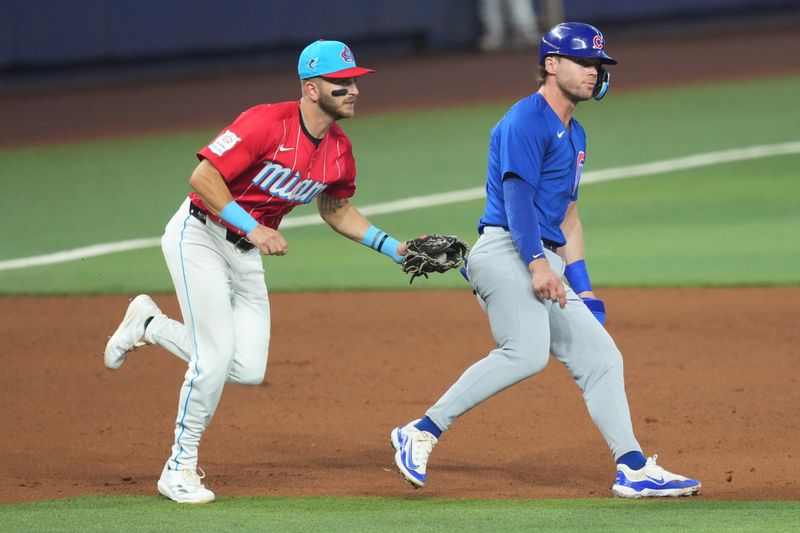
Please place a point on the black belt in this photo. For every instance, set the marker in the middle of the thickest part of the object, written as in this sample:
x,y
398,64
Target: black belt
x,y
550,245
240,241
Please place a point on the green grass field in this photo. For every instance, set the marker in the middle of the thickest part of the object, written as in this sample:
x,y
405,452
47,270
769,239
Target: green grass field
x,y
381,514
693,227
728,224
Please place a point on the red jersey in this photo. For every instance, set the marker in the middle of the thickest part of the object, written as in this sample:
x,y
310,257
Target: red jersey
x,y
271,163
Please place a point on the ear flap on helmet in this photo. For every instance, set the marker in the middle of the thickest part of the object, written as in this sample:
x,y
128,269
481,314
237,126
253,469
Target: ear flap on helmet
x,y
601,86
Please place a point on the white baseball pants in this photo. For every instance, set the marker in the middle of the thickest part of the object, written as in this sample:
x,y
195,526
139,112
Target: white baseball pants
x,y
226,325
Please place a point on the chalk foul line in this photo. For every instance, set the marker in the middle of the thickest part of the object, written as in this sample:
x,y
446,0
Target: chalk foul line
x,y
418,202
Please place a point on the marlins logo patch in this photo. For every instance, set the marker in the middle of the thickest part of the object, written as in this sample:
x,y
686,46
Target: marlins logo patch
x,y
312,63
347,55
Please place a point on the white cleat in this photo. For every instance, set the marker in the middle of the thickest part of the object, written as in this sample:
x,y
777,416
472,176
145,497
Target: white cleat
x,y
183,486
413,448
652,481
130,333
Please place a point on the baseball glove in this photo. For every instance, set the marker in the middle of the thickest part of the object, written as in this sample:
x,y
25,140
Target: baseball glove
x,y
433,253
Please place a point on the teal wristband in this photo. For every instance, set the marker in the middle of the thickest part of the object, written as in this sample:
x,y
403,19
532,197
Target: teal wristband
x,y
382,242
237,217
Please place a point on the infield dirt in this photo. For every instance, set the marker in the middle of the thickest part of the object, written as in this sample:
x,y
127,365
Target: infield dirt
x,y
712,379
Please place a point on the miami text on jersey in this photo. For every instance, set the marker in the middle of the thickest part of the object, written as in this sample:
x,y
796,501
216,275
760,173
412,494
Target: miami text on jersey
x,y
276,180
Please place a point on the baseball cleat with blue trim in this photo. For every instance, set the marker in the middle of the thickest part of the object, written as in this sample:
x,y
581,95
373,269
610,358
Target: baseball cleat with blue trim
x,y
184,486
130,333
652,481
413,449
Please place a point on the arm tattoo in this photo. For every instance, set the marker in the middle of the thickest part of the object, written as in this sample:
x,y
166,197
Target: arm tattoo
x,y
327,204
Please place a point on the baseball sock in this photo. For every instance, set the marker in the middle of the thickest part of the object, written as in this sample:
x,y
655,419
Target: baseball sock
x,y
426,424
633,460
147,322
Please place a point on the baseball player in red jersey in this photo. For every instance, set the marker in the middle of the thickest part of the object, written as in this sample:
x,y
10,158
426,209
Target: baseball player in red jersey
x,y
272,158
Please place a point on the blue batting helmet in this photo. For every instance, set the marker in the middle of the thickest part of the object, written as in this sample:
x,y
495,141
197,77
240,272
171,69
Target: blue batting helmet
x,y
574,39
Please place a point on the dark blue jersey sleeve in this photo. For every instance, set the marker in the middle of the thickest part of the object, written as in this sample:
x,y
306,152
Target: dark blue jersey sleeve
x,y
523,222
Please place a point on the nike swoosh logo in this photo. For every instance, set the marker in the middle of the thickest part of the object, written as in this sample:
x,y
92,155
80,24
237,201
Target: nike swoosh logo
x,y
560,134
409,461
536,256
282,148
657,480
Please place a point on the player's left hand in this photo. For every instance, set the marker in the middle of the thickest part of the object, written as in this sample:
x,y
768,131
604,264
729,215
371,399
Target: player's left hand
x,y
432,253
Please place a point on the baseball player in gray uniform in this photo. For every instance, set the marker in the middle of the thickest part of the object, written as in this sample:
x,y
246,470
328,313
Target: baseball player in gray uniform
x,y
531,236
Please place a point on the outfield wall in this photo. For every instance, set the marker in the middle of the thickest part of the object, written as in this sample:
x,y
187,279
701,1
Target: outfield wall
x,y
57,33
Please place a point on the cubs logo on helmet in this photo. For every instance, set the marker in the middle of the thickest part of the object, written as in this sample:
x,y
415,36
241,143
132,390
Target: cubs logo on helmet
x,y
574,39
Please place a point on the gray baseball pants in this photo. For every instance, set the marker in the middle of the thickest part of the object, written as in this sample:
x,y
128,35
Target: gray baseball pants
x,y
526,331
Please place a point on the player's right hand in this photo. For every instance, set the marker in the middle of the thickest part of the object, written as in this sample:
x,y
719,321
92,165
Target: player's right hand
x,y
547,285
268,240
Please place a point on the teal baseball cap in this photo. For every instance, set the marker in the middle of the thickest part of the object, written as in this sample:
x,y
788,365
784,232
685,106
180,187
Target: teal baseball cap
x,y
332,59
